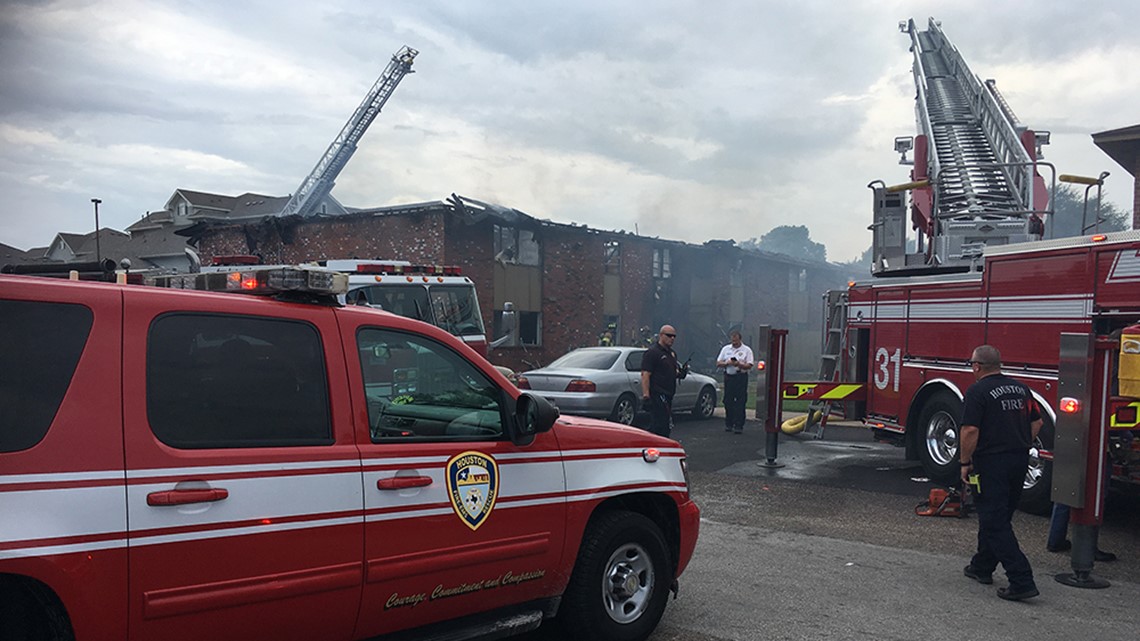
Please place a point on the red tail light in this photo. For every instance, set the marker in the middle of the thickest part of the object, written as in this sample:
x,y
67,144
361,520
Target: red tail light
x,y
1069,405
760,365
580,385
522,383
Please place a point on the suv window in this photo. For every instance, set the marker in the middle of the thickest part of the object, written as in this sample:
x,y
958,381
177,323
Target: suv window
x,y
236,381
40,345
417,388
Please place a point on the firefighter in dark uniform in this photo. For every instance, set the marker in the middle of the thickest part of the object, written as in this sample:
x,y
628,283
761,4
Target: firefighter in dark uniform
x,y
659,374
1000,419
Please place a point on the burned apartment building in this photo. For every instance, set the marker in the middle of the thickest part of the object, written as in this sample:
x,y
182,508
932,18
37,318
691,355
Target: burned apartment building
x,y
568,283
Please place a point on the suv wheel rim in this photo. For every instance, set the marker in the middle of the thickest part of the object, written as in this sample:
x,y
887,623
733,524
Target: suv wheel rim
x,y
627,583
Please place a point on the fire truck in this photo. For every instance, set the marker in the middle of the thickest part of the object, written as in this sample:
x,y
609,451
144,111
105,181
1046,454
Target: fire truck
x,y
240,455
439,295
982,271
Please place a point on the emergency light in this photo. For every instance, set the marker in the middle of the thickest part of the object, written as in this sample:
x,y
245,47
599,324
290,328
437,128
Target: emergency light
x,y
1069,405
263,282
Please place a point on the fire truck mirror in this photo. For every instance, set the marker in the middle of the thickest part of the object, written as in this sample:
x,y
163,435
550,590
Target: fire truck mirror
x,y
533,414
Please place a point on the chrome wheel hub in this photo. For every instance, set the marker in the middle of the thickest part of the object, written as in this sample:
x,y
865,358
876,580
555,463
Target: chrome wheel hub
x,y
942,438
628,583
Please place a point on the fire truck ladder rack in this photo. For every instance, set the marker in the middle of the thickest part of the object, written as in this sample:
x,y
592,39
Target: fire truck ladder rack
x,y
972,151
834,342
319,183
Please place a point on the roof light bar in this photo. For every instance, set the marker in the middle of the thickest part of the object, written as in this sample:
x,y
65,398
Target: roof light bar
x,y
263,282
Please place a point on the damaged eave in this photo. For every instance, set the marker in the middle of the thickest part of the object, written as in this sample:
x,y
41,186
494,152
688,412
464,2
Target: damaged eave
x,y
1122,145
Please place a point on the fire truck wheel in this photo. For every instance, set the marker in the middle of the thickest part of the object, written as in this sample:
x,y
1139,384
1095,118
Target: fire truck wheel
x,y
938,437
1035,493
706,403
624,409
620,582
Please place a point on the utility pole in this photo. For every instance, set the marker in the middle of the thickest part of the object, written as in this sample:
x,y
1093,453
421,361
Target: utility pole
x,y
98,251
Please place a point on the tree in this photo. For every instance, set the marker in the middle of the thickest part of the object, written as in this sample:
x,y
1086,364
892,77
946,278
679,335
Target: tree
x,y
1069,207
791,240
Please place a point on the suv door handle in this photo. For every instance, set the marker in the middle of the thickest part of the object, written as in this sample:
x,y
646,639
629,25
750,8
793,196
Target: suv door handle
x,y
182,497
403,482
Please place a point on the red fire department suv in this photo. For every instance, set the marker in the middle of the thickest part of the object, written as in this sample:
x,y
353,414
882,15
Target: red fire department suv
x,y
197,465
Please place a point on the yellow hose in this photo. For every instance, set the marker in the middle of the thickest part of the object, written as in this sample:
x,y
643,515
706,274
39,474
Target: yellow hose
x,y
797,424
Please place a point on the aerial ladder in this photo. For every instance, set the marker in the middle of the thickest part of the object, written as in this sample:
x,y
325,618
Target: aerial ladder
x,y
975,179
319,183
974,182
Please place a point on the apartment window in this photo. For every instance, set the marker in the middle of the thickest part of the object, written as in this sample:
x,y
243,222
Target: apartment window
x,y
516,246
661,263
529,328
611,256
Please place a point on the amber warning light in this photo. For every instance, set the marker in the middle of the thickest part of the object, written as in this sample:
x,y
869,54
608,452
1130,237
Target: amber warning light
x,y
1070,405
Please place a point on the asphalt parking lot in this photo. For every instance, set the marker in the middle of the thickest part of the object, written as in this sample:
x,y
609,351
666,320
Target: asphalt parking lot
x,y
828,547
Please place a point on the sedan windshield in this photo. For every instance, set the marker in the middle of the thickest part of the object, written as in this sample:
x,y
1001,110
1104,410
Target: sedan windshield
x,y
587,359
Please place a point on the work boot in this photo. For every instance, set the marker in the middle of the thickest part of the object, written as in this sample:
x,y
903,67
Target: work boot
x,y
977,575
1009,594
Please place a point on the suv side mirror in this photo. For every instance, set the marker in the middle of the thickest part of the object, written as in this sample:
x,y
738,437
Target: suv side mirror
x,y
533,414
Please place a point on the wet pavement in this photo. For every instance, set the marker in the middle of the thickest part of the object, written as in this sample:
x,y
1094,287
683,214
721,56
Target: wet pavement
x,y
829,547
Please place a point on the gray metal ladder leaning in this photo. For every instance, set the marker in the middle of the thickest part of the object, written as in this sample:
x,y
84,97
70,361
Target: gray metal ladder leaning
x,y
834,341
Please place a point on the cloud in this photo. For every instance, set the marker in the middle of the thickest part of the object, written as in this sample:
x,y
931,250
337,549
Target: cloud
x,y
683,119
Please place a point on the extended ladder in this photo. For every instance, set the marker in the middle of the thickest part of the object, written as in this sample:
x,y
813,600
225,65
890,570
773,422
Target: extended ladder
x,y
834,342
974,180
319,183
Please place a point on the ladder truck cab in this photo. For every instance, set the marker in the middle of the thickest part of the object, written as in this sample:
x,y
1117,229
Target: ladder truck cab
x,y
436,294
979,269
439,295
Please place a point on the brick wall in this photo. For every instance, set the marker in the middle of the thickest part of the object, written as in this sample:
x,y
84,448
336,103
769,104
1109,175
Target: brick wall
x,y
417,237
696,298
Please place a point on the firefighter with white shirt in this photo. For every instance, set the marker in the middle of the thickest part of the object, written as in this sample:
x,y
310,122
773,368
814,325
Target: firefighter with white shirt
x,y
736,359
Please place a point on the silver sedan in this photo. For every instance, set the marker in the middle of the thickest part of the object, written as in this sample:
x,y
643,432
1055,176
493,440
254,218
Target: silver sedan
x,y
606,382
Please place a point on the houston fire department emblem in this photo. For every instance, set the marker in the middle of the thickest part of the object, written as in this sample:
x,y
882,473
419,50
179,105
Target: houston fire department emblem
x,y
472,485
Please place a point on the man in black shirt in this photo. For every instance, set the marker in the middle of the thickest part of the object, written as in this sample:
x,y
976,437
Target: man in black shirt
x,y
1000,419
659,374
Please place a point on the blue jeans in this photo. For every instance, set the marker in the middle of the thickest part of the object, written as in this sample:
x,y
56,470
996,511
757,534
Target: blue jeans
x,y
1058,525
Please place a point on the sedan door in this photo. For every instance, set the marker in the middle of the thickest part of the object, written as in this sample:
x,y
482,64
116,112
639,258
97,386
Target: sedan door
x,y
633,371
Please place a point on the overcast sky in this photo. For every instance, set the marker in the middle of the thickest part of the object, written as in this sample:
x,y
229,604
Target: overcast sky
x,y
681,119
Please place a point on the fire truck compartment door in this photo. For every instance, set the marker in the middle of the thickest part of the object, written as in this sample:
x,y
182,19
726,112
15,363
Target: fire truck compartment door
x,y
1070,452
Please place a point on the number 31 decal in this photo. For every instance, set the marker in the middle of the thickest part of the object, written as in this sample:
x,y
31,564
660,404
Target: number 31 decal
x,y
883,360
